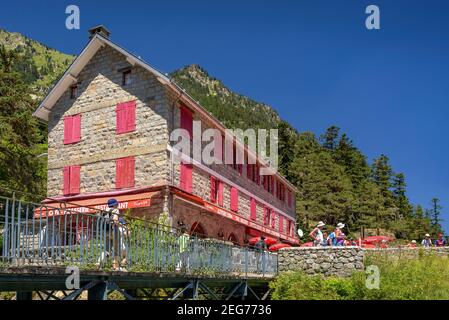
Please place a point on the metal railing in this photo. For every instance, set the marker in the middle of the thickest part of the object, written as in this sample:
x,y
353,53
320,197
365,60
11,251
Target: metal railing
x,y
35,234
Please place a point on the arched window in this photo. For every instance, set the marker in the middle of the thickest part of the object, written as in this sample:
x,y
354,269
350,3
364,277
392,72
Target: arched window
x,y
198,230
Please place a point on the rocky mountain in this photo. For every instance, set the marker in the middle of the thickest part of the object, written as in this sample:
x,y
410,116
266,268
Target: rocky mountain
x,y
234,110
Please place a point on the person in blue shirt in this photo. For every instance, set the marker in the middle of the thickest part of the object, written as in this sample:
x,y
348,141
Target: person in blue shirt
x,y
335,236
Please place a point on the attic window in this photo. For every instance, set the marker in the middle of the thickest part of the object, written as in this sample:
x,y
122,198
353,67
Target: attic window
x,y
73,91
126,77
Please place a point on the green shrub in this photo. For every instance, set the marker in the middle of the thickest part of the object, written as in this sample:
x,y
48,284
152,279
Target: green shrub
x,y
406,279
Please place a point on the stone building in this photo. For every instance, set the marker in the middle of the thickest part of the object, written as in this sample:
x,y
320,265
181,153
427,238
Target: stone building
x,y
110,118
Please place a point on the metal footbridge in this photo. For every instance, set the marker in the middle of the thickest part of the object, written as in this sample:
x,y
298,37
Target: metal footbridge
x,y
56,253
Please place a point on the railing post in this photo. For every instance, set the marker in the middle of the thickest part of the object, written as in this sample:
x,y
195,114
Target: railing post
x,y
246,261
6,232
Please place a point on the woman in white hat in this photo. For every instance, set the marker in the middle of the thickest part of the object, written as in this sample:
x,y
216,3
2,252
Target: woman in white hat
x,y
317,234
427,242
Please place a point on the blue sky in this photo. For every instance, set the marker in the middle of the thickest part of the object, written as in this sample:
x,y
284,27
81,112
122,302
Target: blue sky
x,y
313,61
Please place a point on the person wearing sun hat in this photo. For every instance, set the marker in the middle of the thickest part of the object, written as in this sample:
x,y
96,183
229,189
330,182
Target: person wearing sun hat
x,y
412,244
335,236
317,234
427,242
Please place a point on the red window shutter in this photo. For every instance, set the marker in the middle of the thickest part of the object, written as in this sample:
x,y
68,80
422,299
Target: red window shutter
x,y
76,128
213,189
234,199
130,172
75,180
120,111
130,116
187,120
186,177
281,224
68,129
66,181
120,173
266,216
253,210
220,193
71,180
124,172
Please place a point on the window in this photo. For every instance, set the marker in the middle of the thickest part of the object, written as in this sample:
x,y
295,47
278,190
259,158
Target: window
x,y
72,180
126,117
253,210
72,129
185,182
234,199
281,224
124,173
213,189
220,193
187,121
126,77
273,219
266,216
73,91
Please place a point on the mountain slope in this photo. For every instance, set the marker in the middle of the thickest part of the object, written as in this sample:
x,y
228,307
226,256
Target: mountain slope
x,y
234,110
39,65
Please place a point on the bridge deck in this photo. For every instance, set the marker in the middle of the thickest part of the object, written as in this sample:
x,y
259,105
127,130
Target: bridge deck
x,y
54,278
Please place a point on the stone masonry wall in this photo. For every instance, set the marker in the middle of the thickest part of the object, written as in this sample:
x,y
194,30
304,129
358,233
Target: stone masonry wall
x,y
408,253
232,174
201,187
99,91
340,261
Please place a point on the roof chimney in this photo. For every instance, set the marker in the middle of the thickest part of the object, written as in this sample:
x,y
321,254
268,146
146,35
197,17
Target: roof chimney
x,y
101,30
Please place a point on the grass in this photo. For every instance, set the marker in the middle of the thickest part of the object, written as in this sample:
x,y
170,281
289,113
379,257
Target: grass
x,y
426,278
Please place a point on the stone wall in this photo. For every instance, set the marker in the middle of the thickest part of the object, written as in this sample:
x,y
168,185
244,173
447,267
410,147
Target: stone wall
x,y
230,173
408,253
99,90
340,261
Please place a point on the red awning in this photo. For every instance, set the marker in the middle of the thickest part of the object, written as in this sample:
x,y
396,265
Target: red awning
x,y
140,200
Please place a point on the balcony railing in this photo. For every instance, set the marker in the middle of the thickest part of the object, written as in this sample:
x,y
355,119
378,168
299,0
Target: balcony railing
x,y
35,234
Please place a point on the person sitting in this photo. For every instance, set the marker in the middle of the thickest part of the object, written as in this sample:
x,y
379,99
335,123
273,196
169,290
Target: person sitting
x,y
341,239
440,242
412,244
317,234
427,242
332,239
